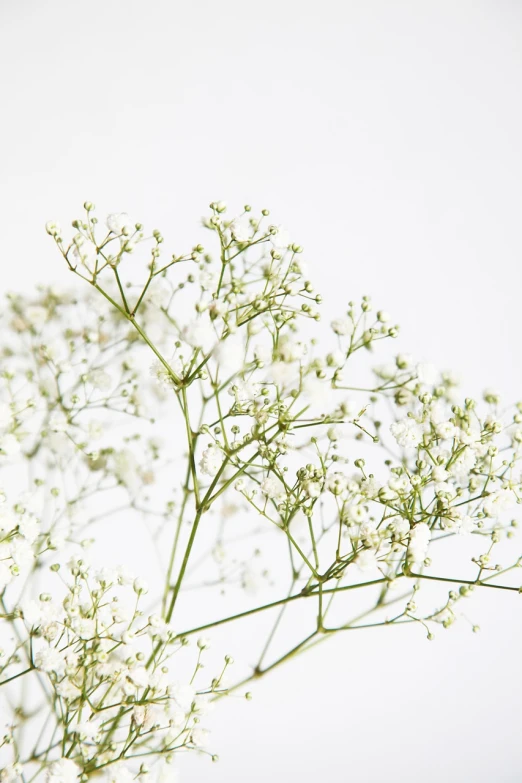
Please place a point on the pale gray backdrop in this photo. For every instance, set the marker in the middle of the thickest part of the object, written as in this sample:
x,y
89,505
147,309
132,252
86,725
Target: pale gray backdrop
x,y
386,136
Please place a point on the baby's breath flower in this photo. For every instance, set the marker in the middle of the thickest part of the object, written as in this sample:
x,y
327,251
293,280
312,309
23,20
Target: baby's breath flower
x,y
160,373
342,326
53,228
64,771
366,560
420,537
50,660
119,222
211,461
273,488
407,432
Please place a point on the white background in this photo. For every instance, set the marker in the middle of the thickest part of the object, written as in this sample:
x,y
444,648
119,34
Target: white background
x,y
386,136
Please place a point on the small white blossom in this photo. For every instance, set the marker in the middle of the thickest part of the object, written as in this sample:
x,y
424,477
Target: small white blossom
x,y
336,483
240,231
279,237
244,391
446,430
184,695
53,228
272,488
50,660
11,773
211,461
439,473
118,221
119,773
88,730
366,560
420,537
100,379
161,374
343,326
290,349
407,432
313,488
84,252
63,771
498,502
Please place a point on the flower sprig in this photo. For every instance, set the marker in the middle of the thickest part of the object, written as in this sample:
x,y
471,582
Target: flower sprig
x,y
292,481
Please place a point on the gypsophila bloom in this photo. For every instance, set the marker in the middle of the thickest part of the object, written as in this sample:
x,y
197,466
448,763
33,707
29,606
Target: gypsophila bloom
x,y
342,326
64,771
160,373
367,560
419,542
50,660
407,432
211,461
118,222
273,488
240,231
11,773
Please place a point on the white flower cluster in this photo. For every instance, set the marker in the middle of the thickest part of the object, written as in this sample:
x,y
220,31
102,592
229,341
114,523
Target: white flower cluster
x,y
105,667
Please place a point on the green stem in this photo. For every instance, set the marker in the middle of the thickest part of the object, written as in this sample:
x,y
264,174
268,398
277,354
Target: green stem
x,y
280,602
15,676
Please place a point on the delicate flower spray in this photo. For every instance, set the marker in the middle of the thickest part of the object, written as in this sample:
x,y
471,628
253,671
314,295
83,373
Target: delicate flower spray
x,y
190,394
